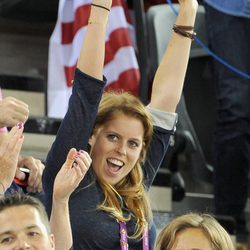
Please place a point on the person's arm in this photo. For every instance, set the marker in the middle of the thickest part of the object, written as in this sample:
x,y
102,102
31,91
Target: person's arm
x,y
91,57
88,86
10,146
167,89
169,77
67,180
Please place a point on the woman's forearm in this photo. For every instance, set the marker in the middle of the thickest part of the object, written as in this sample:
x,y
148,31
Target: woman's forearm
x,y
60,225
170,75
91,59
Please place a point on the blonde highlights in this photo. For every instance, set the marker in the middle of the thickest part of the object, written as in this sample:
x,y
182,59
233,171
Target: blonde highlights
x,y
129,193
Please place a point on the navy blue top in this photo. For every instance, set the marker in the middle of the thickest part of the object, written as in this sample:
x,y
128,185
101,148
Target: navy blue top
x,y
14,188
92,228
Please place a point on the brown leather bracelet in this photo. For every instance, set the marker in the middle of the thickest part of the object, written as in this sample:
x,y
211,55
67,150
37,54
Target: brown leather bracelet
x,y
177,29
184,27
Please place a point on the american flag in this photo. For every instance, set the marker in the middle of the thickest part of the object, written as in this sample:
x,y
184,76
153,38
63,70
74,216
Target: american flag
x,y
121,66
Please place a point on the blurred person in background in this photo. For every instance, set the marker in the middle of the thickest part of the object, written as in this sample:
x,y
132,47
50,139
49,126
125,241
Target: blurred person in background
x,y
227,23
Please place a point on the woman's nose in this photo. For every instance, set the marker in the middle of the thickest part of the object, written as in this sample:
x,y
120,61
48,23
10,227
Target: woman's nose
x,y
122,148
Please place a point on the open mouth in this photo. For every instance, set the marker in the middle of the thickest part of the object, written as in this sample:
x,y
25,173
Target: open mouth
x,y
114,165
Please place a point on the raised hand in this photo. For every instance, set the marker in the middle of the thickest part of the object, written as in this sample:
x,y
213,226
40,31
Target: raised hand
x,y
71,174
10,146
12,111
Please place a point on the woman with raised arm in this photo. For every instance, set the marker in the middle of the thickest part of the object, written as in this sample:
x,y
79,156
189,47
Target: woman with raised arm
x,y
127,141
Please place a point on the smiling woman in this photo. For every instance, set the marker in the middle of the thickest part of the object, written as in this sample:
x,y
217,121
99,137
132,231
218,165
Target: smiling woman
x,y
128,141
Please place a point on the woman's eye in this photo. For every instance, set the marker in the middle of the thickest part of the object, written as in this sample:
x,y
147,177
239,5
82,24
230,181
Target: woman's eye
x,y
133,144
112,137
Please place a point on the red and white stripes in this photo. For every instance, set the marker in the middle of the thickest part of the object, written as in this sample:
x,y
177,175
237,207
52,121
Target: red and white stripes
x,y
121,67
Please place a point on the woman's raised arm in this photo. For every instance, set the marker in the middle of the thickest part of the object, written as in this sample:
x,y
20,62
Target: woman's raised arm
x,y
169,77
91,57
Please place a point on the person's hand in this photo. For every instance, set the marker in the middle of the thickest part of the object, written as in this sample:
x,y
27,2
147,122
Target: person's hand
x,y
36,168
71,174
12,111
10,146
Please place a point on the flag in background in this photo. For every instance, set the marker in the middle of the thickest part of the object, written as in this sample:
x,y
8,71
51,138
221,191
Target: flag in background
x,y
121,67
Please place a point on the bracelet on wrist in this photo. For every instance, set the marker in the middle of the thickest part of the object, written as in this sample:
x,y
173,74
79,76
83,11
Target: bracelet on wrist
x,y
100,6
183,31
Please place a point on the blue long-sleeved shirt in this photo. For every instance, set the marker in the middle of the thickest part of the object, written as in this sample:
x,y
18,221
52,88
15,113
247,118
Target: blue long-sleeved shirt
x,y
232,7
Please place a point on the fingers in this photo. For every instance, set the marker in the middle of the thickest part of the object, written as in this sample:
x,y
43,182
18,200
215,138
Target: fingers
x,y
13,111
36,186
19,116
71,174
70,158
11,143
10,146
17,139
29,162
19,174
17,106
83,161
35,176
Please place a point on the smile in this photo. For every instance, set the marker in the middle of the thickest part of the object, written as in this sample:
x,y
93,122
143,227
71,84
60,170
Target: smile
x,y
114,164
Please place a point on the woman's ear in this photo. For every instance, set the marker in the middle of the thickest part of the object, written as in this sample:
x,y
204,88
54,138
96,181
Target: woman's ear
x,y
91,140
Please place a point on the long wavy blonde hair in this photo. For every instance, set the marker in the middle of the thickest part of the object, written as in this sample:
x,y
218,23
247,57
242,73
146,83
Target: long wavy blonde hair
x,y
215,233
130,192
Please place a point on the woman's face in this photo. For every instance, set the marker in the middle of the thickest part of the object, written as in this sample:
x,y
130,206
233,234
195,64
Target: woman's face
x,y
116,147
190,239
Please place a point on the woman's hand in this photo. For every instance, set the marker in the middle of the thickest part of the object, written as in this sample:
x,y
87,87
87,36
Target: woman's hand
x,y
10,146
71,174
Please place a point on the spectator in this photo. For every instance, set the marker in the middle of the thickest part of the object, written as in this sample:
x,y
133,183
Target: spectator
x,y
14,111
194,231
24,222
113,196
